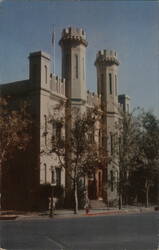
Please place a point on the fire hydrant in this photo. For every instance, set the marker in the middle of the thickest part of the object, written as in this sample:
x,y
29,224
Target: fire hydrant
x,y
87,210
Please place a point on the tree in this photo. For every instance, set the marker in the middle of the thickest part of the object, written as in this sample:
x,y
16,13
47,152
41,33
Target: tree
x,y
148,160
15,125
127,150
78,152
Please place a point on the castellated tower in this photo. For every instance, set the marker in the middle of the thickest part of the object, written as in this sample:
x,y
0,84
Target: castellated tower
x,y
73,44
107,80
107,86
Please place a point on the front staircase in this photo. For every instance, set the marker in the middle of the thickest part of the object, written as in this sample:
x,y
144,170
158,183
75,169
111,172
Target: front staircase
x,y
97,204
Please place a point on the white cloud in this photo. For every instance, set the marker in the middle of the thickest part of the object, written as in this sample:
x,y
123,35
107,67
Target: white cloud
x,y
1,1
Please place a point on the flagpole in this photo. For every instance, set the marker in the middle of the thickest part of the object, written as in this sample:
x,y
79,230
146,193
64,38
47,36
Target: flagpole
x,y
53,44
54,49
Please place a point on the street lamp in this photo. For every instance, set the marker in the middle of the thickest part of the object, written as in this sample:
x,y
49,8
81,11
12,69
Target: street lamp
x,y
53,183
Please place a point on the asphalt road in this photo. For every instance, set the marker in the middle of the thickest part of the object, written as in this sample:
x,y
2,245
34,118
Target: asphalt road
x,y
118,232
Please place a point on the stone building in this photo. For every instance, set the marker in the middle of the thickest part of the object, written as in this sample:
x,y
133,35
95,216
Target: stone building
x,y
26,184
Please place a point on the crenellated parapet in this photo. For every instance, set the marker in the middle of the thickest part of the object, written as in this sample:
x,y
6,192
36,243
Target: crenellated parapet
x,y
57,85
72,34
106,57
93,99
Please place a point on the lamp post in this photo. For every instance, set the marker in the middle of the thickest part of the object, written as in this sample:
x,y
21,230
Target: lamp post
x,y
53,183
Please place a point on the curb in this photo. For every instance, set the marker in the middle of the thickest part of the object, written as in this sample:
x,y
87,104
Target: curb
x,y
118,212
8,217
115,212
71,215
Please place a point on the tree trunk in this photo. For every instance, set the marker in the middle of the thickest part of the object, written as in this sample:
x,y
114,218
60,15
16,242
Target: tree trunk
x,y
120,201
76,198
0,187
147,195
158,192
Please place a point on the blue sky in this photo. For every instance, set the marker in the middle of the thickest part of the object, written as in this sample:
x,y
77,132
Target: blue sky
x,y
129,27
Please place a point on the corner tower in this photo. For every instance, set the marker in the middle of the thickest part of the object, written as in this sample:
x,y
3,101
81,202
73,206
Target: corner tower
x,y
107,79
73,44
107,86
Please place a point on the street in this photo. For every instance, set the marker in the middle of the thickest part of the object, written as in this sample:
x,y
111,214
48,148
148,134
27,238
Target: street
x,y
115,232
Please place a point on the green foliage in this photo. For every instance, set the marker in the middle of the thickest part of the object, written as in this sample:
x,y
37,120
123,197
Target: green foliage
x,y
15,128
145,162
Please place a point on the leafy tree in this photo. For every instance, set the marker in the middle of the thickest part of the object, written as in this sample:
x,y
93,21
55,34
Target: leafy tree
x,y
148,160
15,125
127,150
78,152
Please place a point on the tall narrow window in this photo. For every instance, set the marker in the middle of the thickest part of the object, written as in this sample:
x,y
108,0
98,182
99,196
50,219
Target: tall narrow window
x,y
45,74
119,145
34,72
45,129
58,176
112,180
100,137
45,173
110,83
116,85
56,130
53,179
127,108
111,144
83,69
66,66
102,79
91,136
76,63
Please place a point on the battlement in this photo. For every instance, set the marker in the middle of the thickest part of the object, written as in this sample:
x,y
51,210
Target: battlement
x,y
107,56
57,85
93,99
73,34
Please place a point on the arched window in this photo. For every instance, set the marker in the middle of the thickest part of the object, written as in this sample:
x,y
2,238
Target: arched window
x,y
45,74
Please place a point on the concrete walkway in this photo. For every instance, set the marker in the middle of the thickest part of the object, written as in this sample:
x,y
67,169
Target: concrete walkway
x,y
64,213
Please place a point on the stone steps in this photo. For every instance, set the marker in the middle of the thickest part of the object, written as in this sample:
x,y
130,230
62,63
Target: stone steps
x,y
97,204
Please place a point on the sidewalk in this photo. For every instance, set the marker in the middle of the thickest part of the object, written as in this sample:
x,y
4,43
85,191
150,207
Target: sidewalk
x,y
64,213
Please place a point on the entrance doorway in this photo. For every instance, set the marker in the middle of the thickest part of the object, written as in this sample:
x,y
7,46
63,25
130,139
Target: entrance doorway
x,y
100,188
